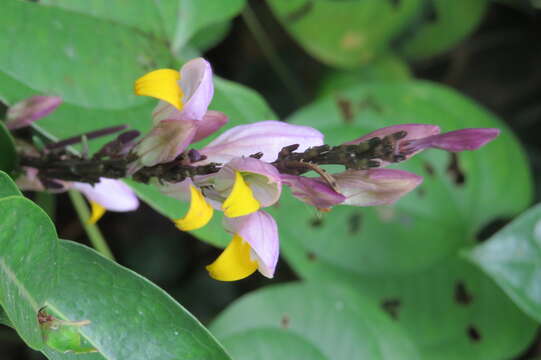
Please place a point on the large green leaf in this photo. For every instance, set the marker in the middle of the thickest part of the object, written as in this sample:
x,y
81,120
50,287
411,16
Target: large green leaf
x,y
386,68
512,258
403,251
344,33
450,23
195,15
309,321
451,311
130,318
85,60
27,243
393,239
175,21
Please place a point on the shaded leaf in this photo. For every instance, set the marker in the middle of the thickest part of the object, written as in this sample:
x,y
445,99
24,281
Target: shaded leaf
x,y
450,312
344,33
393,239
309,321
75,283
445,23
71,47
512,258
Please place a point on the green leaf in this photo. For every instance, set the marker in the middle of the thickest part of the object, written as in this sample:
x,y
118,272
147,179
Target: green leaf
x,y
7,186
403,251
8,154
27,242
195,15
451,311
344,33
512,258
386,68
309,321
393,239
176,21
453,21
90,62
144,15
77,284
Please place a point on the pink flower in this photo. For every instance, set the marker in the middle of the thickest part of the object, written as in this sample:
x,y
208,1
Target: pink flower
x,y
24,113
181,117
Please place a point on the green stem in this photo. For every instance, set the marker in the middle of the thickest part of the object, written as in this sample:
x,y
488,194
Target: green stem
x,y
269,51
93,232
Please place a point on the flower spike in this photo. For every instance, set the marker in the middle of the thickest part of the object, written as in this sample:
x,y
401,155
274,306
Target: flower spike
x,y
199,213
161,84
241,201
234,263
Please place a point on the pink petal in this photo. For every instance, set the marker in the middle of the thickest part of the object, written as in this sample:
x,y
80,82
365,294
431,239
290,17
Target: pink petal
x,y
455,141
313,191
268,137
261,232
24,113
198,89
113,195
165,142
375,186
196,83
263,178
211,122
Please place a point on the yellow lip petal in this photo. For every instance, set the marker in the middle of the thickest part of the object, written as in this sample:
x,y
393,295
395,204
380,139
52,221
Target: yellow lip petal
x,y
161,84
241,201
234,263
97,212
199,213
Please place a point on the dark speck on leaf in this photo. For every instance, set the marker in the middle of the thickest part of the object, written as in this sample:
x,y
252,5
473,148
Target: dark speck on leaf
x,y
311,256
316,221
392,307
395,3
369,103
354,222
428,168
300,12
454,171
421,192
346,109
462,296
473,333
284,322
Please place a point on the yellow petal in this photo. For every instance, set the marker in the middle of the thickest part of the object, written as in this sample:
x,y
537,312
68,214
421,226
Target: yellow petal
x,y
97,212
199,213
241,201
161,84
234,263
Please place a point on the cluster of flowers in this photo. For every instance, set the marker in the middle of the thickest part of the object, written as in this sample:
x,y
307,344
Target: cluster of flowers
x,y
245,184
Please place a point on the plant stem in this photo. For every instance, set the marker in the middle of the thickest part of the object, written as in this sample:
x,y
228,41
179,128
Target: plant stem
x,y
269,51
93,232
